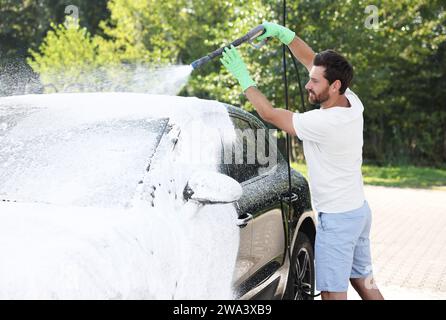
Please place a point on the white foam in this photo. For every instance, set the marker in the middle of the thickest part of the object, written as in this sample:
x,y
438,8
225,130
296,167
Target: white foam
x,y
142,252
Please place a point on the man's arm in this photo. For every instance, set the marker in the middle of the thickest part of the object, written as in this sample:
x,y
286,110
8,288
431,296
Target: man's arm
x,y
281,118
302,51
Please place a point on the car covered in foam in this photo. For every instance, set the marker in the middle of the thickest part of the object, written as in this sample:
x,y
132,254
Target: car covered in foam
x,y
138,196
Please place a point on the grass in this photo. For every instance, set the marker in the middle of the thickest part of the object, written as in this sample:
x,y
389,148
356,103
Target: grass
x,y
397,176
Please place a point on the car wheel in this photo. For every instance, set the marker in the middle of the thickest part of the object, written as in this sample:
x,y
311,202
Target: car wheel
x,y
301,279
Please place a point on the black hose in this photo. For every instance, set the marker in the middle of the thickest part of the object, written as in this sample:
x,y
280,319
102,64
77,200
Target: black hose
x,y
288,146
302,99
285,81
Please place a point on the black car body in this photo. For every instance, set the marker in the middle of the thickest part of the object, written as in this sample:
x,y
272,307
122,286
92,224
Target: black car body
x,y
274,221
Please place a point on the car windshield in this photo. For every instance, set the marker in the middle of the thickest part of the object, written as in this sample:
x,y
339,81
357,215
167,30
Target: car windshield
x,y
96,163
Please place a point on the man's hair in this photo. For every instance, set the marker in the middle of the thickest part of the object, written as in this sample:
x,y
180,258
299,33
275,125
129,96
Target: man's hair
x,y
336,68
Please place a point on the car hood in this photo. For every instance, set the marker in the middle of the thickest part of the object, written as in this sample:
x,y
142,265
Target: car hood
x,y
19,216
161,248
69,252
56,252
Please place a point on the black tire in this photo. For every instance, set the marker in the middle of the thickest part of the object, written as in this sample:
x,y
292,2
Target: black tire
x,y
300,285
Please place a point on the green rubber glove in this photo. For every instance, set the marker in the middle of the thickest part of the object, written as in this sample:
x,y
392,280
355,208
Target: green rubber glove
x,y
235,65
282,33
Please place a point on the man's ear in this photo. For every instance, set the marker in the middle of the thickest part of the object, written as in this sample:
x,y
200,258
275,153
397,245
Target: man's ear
x,y
336,85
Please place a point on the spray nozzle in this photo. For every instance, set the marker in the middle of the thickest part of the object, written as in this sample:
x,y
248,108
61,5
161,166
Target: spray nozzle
x,y
249,37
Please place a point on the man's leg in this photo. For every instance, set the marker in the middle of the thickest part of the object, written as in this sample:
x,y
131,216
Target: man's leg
x,y
366,288
333,295
361,276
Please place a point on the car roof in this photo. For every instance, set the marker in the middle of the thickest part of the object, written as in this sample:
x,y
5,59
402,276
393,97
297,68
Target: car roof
x,y
114,105
239,112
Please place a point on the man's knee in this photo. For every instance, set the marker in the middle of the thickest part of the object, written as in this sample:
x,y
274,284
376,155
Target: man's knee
x,y
357,281
366,283
326,295
366,288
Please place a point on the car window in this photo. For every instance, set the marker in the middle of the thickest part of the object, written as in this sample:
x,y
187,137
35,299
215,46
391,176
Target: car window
x,y
245,163
267,154
91,164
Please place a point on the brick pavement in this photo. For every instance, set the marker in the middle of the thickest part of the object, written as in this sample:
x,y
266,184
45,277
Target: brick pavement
x,y
409,238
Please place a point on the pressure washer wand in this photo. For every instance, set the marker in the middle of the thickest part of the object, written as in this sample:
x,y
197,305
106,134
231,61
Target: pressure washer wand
x,y
249,37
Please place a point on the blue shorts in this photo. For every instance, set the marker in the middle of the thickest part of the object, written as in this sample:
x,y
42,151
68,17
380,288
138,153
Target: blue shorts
x,y
342,248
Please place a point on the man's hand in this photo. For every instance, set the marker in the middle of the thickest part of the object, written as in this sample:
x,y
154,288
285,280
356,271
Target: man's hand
x,y
282,33
235,65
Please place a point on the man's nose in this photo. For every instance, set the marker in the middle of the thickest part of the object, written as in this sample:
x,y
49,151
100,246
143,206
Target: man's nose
x,y
307,86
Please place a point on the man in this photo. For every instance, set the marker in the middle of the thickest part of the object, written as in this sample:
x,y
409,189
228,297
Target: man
x,y
332,140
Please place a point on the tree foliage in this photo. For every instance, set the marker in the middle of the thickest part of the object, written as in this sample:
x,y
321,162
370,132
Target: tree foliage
x,y
398,70
399,64
24,25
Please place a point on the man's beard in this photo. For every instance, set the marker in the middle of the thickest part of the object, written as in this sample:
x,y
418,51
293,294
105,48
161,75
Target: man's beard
x,y
318,99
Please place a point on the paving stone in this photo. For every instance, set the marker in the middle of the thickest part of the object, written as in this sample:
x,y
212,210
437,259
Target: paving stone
x,y
408,238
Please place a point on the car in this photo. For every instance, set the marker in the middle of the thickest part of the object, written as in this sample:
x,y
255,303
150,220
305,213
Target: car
x,y
140,196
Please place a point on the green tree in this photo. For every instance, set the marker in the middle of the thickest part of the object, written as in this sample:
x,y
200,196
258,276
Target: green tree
x,y
23,26
67,57
153,33
398,70
178,32
399,65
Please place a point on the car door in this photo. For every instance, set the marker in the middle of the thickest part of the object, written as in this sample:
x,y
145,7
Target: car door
x,y
244,259
261,199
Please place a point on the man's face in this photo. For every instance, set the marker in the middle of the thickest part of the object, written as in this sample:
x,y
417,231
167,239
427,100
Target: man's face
x,y
317,87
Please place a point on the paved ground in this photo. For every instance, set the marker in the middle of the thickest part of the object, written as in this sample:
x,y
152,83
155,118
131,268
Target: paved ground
x,y
408,242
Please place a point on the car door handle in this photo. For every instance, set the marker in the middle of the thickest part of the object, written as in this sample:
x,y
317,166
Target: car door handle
x,y
294,197
243,220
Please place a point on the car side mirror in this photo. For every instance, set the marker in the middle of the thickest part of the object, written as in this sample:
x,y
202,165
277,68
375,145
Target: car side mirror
x,y
208,187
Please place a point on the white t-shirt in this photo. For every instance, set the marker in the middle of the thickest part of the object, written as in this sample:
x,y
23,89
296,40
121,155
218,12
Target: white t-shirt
x,y
332,142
